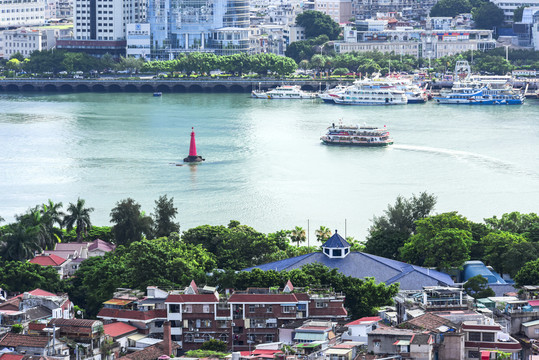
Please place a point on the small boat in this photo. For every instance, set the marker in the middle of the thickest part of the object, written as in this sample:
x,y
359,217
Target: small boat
x,y
356,135
157,93
284,92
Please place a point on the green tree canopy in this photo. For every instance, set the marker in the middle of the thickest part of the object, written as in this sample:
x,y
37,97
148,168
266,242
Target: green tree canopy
x,y
488,16
19,276
497,245
317,23
78,217
517,14
164,215
389,231
130,224
477,287
528,274
451,8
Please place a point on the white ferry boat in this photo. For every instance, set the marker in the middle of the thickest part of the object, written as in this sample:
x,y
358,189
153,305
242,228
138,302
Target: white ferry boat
x,y
413,92
284,92
330,94
356,135
371,92
479,93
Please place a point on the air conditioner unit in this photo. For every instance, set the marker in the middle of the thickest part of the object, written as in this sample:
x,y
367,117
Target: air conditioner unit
x,y
233,324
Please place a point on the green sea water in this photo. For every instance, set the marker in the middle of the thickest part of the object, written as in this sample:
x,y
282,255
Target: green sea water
x,y
265,165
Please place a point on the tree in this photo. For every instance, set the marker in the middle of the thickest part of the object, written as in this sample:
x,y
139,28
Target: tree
x,y
19,276
298,235
389,231
323,234
442,241
214,345
450,8
19,241
317,23
164,214
130,224
52,215
497,245
529,274
78,216
488,16
513,222
17,328
477,287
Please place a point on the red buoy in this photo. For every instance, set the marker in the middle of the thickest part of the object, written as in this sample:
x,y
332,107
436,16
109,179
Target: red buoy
x,y
193,157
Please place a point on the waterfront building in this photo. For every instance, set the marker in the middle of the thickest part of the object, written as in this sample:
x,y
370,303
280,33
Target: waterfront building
x,y
366,9
336,254
15,13
416,42
138,40
179,26
58,9
339,10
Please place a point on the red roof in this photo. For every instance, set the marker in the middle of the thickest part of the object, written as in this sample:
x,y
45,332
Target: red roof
x,y
118,328
192,298
11,357
48,260
37,292
263,298
364,320
132,314
14,340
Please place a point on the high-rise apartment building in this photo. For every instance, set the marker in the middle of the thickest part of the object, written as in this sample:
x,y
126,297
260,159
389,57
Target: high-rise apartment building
x,y
16,13
220,26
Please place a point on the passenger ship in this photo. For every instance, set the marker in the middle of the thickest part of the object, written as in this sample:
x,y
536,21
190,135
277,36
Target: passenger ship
x,y
284,92
371,92
356,135
477,92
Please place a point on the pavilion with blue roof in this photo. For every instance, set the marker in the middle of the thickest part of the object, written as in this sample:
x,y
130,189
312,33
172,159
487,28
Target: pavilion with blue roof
x,y
336,254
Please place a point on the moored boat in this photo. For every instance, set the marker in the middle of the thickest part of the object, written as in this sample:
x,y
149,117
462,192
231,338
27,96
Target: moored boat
x,y
356,135
371,92
284,92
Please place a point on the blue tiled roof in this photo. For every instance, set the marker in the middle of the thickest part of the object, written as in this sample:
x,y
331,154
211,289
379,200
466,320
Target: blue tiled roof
x,y
336,241
361,265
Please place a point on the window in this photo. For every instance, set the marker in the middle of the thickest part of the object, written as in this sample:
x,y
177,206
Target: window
x,y
188,309
321,304
474,336
269,337
175,323
188,337
337,252
377,344
269,309
174,308
252,308
474,354
488,336
223,337
206,309
206,337
289,309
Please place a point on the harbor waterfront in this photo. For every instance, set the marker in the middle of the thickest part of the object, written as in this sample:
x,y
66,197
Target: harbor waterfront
x,y
265,164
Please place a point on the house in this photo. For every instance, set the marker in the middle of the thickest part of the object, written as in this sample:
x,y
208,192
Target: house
x,y
359,329
55,261
321,332
85,332
34,345
480,337
389,340
69,250
99,247
531,329
119,333
336,254
165,347
422,347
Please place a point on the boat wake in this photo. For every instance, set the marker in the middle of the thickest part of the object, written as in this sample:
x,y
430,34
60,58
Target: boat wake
x,y
470,156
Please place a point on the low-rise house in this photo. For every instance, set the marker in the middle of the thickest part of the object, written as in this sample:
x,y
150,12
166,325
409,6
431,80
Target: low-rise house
x,y
531,329
166,347
34,345
55,261
85,332
99,247
389,340
479,337
119,333
321,332
359,329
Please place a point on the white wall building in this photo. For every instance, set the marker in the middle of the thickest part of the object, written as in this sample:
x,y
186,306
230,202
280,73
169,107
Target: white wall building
x,y
509,6
25,41
138,40
14,13
339,10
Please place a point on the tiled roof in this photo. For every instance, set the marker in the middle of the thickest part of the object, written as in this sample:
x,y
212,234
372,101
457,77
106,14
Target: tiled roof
x,y
70,246
39,292
118,328
80,323
421,339
263,298
150,353
361,265
11,357
336,241
364,320
429,322
389,330
48,260
99,244
192,298
15,340
132,314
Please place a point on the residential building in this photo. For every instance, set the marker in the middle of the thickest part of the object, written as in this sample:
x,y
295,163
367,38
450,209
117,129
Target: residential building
x,y
365,9
35,345
15,13
416,42
177,26
166,347
339,10
358,330
509,6
86,333
25,41
336,254
480,337
531,329
320,332
389,340
99,247
58,263
119,333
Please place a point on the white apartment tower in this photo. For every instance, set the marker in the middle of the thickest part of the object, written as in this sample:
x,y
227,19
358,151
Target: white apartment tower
x,y
106,19
17,13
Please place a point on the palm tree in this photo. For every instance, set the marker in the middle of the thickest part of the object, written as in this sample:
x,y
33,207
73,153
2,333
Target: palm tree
x,y
52,215
19,242
298,235
79,217
323,233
